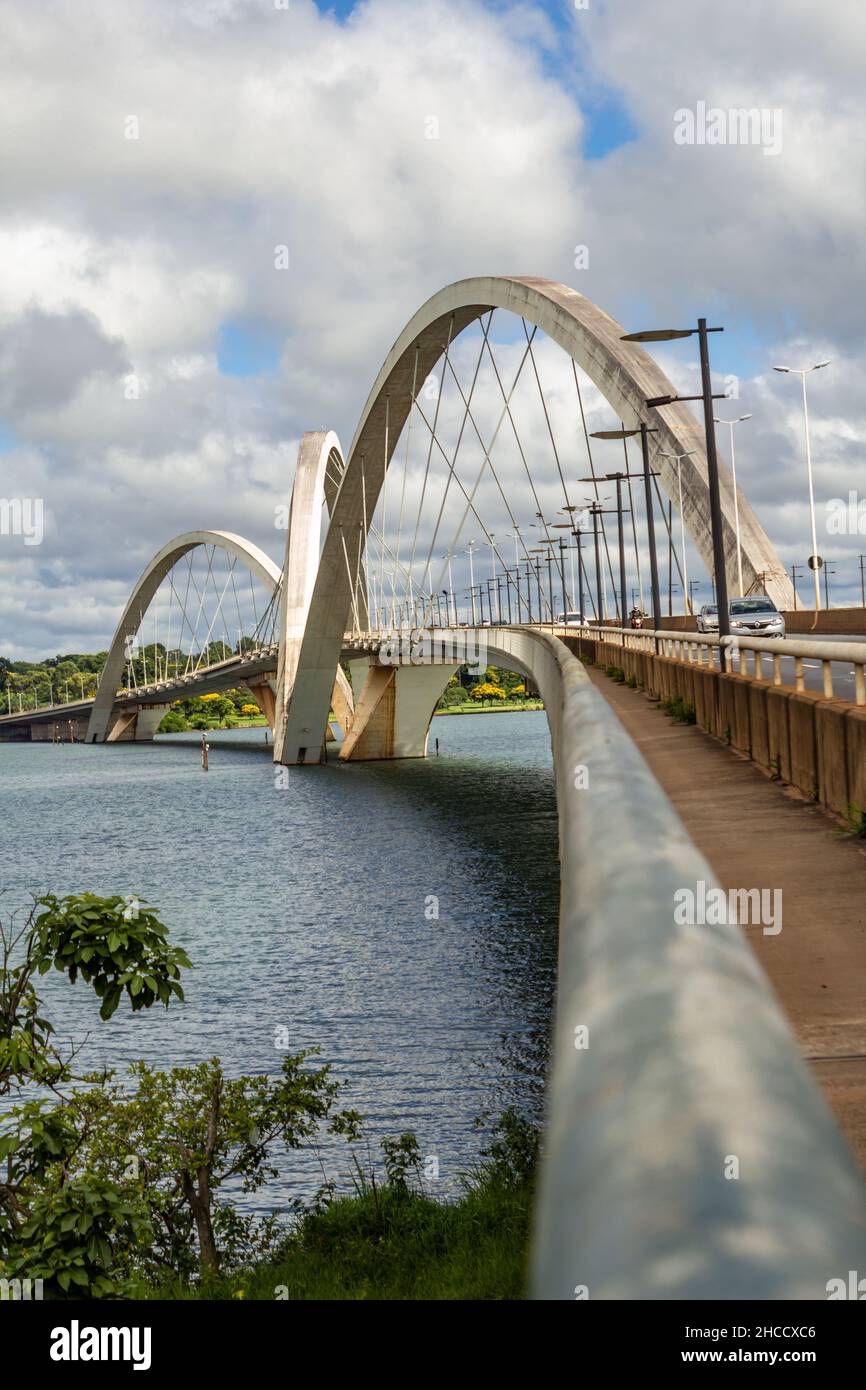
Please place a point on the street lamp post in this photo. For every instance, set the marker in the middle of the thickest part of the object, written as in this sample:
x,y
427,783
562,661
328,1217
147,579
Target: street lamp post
x,y
801,373
687,593
449,558
644,431
599,611
827,572
470,548
663,335
565,603
537,567
528,576
651,528
578,534
617,478
730,424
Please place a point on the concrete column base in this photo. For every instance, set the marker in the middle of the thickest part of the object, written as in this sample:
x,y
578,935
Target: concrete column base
x,y
343,702
263,692
148,721
135,725
392,718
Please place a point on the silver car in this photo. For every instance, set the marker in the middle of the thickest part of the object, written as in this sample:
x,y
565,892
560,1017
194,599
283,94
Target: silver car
x,y
757,615
708,618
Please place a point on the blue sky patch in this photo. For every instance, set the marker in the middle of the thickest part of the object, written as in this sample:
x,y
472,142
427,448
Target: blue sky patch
x,y
608,126
341,8
247,351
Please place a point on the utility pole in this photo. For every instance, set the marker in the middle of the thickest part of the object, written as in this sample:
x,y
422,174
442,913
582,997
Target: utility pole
x,y
827,573
795,568
577,535
651,528
470,549
670,559
717,536
617,478
862,583
594,510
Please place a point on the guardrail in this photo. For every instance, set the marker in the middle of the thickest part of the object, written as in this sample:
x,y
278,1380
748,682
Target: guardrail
x,y
698,649
688,1153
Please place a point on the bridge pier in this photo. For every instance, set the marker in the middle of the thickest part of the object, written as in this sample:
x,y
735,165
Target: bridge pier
x,y
264,692
394,710
135,725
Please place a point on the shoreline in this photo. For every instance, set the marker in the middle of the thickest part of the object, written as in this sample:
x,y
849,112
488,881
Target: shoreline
x,y
529,705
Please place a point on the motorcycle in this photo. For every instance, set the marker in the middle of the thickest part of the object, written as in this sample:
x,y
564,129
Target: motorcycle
x,y
636,618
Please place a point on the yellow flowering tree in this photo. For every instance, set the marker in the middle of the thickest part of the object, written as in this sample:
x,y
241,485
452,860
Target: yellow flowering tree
x,y
485,691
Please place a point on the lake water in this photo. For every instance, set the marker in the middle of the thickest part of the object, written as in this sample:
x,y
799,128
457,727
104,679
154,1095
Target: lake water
x,y
308,908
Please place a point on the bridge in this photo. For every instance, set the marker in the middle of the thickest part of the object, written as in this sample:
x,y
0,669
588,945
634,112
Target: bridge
x,y
672,1056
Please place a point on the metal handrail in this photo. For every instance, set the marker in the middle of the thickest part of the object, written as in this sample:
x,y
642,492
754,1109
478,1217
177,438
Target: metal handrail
x,y
682,644
690,1071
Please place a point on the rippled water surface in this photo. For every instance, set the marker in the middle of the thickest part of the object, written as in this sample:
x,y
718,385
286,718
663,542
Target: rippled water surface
x,y
303,908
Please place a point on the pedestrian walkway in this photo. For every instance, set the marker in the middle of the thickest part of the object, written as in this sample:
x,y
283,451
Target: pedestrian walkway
x,y
755,833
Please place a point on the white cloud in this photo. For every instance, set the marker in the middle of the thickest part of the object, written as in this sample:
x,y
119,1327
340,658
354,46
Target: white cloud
x,y
260,127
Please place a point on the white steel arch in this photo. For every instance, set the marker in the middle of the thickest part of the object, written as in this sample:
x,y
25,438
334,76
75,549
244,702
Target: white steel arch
x,y
261,565
624,373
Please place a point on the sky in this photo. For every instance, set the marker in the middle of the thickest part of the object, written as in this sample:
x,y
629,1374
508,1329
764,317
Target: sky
x,y
217,215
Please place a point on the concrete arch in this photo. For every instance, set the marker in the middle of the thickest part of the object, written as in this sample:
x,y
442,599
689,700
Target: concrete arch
x,y
395,711
261,565
624,373
318,473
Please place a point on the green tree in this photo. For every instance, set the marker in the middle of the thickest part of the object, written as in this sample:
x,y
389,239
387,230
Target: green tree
x,y
105,1183
60,1224
182,1134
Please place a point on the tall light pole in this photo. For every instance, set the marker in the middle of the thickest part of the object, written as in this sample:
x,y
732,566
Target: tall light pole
x,y
730,424
644,431
617,478
448,558
801,373
687,593
469,549
665,335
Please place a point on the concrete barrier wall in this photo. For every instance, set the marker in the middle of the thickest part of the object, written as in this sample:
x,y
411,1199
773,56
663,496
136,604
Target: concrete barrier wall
x,y
813,743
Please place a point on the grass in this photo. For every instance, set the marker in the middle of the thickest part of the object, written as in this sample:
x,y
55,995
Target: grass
x,y
475,707
393,1245
680,710
392,1241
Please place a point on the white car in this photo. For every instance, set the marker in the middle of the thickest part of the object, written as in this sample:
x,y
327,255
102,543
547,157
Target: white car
x,y
758,615
568,620
708,618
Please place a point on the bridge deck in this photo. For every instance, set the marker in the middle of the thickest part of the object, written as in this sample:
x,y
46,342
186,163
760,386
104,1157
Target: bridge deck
x,y
757,833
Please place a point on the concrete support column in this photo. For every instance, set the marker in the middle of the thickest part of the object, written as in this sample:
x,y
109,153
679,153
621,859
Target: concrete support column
x,y
343,702
148,721
136,725
392,717
264,694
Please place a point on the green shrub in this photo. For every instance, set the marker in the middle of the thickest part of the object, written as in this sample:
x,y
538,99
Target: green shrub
x,y
679,710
